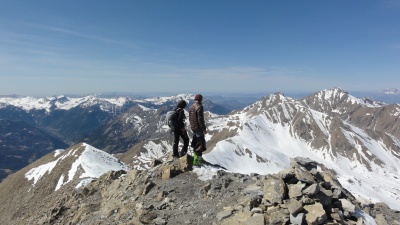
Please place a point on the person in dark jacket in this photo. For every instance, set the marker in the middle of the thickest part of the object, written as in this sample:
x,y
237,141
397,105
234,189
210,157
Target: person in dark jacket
x,y
180,131
198,126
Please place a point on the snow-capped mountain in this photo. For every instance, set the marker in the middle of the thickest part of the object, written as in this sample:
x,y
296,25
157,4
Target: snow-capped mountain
x,y
88,163
69,119
359,139
137,124
67,169
107,104
338,101
49,104
141,122
72,119
113,124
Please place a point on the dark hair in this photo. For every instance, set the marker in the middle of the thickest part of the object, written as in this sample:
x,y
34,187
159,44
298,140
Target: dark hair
x,y
181,104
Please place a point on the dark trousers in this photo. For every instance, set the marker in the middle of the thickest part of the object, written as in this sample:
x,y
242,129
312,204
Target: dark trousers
x,y
180,134
198,142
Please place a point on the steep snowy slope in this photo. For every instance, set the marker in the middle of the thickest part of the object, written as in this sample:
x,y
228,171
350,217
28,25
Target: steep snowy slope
x,y
277,128
359,139
81,163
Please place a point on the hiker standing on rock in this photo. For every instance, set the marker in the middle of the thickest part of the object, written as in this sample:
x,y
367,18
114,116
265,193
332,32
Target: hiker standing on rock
x,y
180,131
198,126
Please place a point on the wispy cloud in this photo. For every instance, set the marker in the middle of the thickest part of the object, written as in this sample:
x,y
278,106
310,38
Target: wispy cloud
x,y
23,30
86,36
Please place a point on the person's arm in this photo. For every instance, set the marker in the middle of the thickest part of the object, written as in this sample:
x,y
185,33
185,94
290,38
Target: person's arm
x,y
200,118
181,116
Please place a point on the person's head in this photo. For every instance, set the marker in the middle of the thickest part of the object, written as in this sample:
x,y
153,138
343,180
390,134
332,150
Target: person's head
x,y
198,97
181,104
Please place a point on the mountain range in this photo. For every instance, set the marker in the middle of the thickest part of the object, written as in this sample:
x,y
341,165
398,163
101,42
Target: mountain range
x,y
65,121
357,139
71,119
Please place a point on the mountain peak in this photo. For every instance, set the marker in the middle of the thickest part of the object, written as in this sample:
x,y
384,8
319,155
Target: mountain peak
x,y
334,93
336,100
278,98
83,161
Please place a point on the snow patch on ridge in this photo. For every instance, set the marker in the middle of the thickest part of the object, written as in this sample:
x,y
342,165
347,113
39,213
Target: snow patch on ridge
x,y
265,147
59,102
92,161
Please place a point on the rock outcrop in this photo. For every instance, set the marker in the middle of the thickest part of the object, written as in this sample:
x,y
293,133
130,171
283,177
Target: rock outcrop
x,y
172,193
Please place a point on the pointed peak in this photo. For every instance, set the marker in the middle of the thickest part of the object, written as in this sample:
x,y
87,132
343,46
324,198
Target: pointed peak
x,y
280,97
82,161
337,96
279,93
337,91
275,99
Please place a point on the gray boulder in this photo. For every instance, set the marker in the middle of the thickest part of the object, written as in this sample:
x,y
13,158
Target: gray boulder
x,y
274,190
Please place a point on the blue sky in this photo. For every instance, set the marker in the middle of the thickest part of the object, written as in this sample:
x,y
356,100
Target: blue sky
x,y
80,47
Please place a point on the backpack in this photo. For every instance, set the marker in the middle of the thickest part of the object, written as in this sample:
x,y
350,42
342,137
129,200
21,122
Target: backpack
x,y
172,119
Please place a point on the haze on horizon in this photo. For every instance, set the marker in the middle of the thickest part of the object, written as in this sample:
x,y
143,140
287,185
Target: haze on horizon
x,y
50,48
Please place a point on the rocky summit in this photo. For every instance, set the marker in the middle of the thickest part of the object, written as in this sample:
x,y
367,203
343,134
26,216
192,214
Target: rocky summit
x,y
174,192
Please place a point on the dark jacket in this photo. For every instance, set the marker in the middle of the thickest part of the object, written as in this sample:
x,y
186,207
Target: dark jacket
x,y
196,117
181,118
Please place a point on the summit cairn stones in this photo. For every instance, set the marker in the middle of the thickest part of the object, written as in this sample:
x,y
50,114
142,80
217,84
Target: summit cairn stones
x,y
295,190
294,206
315,214
275,190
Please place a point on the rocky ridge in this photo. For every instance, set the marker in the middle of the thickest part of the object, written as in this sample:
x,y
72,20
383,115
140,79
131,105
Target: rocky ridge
x,y
172,193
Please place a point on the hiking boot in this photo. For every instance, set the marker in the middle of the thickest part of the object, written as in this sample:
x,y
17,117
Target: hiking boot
x,y
196,160
200,161
182,153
